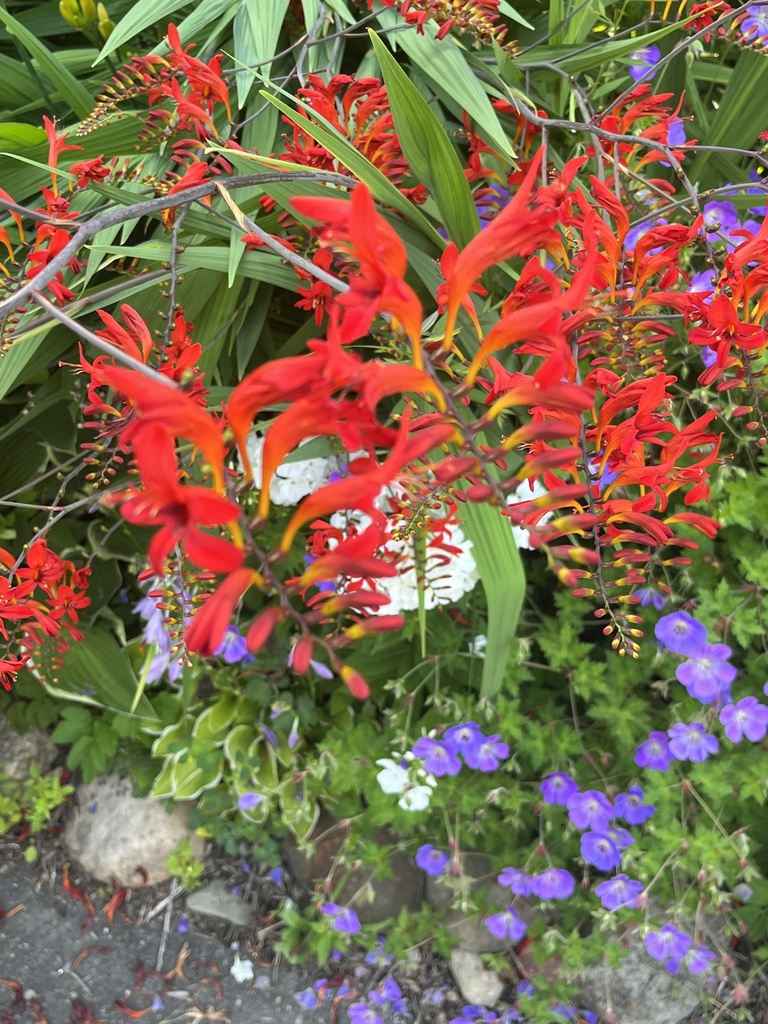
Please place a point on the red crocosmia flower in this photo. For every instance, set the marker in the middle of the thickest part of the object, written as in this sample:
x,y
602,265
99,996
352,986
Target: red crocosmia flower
x,y
210,622
378,287
261,628
181,510
353,556
354,682
172,410
136,341
517,230
360,490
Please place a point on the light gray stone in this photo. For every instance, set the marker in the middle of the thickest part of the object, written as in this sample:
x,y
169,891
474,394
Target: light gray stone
x,y
475,982
18,752
114,833
218,900
641,990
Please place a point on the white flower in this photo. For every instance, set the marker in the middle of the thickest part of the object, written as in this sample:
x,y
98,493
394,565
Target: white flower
x,y
478,644
241,970
394,780
293,480
527,493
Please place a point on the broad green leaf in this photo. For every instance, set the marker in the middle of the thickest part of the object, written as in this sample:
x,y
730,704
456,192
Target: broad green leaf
x,y
213,723
300,812
509,11
167,743
428,149
98,663
20,137
443,63
73,92
189,780
501,573
236,745
163,785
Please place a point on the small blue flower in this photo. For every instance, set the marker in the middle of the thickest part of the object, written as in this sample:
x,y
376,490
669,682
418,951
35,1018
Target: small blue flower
x,y
431,860
599,849
631,808
507,925
557,788
438,759
344,918
249,801
642,60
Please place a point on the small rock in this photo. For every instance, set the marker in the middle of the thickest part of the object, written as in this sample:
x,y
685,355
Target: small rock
x,y
641,990
217,900
403,889
18,752
114,833
470,929
476,983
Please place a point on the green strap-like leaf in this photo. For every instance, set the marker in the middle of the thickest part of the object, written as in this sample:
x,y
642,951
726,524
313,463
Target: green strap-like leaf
x,y
428,149
73,92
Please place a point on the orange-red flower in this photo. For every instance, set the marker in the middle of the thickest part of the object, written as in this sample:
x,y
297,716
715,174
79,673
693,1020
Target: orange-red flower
x,y
181,509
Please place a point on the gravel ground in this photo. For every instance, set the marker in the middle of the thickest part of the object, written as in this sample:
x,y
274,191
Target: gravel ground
x,y
53,971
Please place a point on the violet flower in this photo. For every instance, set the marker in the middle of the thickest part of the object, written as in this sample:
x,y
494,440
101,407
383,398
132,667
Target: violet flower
x,y
748,718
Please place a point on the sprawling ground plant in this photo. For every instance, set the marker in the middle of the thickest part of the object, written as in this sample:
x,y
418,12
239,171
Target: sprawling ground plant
x,y
340,390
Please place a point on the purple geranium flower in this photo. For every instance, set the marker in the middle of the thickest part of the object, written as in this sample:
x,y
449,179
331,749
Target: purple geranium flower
x,y
700,959
507,925
488,755
461,738
631,808
650,597
590,810
387,992
707,674
643,59
654,752
668,943
675,133
518,881
599,849
719,217
620,891
432,860
620,837
344,918
233,648
249,801
557,788
438,759
755,24
748,718
691,742
362,1013
681,633
553,884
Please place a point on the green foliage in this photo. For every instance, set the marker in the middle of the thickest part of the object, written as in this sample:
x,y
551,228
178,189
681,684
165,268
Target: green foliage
x,y
30,801
183,864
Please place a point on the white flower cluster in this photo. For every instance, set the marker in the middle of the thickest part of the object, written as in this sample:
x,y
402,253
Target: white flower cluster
x,y
293,480
415,793
446,576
